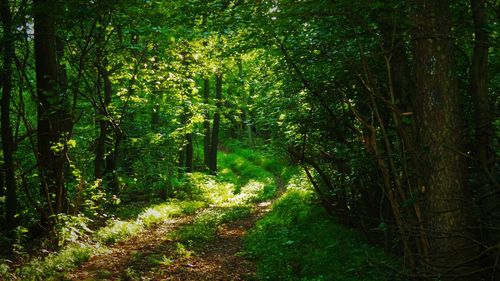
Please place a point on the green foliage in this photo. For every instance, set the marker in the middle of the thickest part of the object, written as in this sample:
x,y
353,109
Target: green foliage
x,y
4,270
56,265
163,212
205,225
239,183
255,181
119,230
298,241
71,229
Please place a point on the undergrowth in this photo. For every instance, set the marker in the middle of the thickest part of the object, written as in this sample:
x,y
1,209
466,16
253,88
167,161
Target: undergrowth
x,y
245,177
298,241
205,226
242,180
55,265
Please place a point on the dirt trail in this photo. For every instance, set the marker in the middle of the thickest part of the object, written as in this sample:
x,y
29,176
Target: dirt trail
x,y
108,266
218,260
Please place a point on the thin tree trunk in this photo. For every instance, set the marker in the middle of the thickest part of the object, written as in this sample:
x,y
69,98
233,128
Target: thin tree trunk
x,y
248,120
189,153
206,122
100,150
439,132
7,137
99,166
2,175
215,128
112,163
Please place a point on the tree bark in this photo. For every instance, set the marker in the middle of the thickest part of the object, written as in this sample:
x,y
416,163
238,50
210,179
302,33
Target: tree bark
x,y
99,166
215,127
112,161
481,101
53,129
206,122
8,145
489,196
439,133
189,153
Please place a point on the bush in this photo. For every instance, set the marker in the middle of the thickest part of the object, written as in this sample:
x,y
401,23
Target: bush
x,y
298,241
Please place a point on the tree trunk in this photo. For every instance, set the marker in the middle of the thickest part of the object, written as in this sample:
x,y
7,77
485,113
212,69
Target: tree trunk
x,y
7,137
488,194
100,150
52,111
482,108
112,163
439,133
182,149
189,153
248,119
215,128
99,166
206,122
2,174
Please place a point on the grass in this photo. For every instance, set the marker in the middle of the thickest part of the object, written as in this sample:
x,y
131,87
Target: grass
x,y
55,265
246,175
120,230
205,226
241,181
298,241
295,241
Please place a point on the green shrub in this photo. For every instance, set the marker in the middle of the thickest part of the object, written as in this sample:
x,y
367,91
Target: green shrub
x,y
203,229
55,265
298,241
118,230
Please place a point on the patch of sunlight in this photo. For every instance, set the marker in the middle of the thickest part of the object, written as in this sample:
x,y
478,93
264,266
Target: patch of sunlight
x,y
118,230
299,182
249,192
225,171
217,192
240,161
151,217
53,266
165,211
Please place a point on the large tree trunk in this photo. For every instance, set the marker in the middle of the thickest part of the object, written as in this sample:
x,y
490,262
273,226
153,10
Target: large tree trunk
x,y
401,88
53,118
482,108
489,198
206,122
7,137
215,128
439,133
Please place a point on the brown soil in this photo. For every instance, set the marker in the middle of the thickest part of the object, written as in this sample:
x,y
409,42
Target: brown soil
x,y
135,258
108,266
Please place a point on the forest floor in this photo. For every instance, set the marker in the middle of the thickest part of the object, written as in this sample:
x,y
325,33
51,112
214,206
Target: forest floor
x,y
257,220
139,258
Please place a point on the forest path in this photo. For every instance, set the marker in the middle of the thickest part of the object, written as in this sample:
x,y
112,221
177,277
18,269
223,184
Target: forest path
x,y
153,255
109,265
219,259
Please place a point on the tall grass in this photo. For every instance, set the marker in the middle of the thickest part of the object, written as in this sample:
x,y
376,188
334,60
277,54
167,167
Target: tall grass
x,y
298,241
